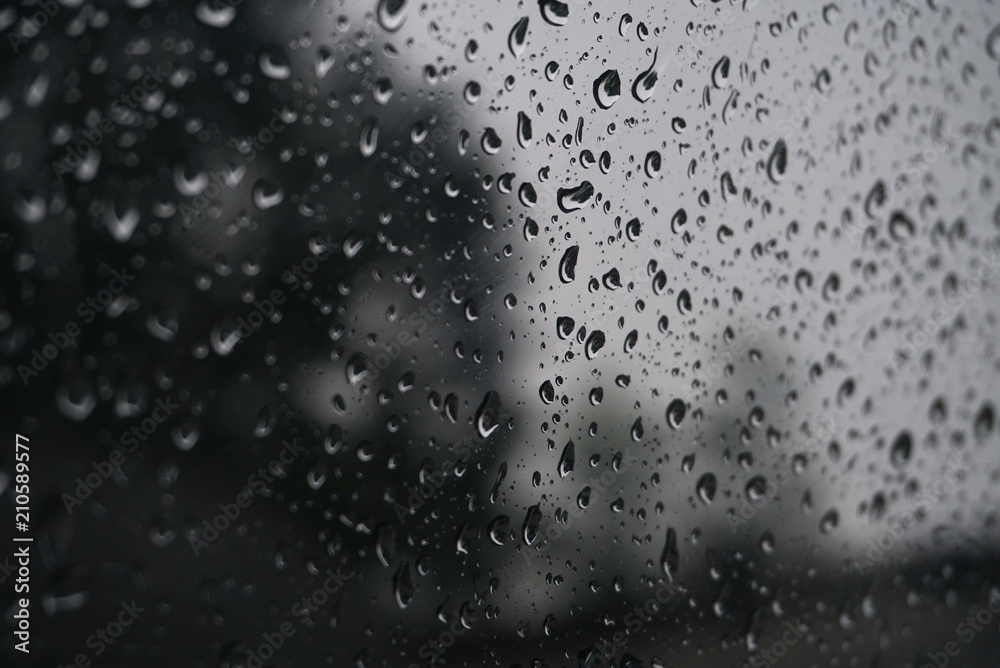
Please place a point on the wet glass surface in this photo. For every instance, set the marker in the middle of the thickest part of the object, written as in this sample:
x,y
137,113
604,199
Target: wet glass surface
x,y
502,334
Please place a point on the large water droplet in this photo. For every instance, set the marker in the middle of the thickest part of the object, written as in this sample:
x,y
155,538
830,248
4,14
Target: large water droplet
x,y
901,449
531,521
523,129
214,13
554,12
121,215
645,83
517,37
675,413
567,460
369,137
720,73
488,414
594,343
402,585
705,487
274,63
670,558
607,89
267,194
391,14
778,162
573,199
567,267
491,141
901,228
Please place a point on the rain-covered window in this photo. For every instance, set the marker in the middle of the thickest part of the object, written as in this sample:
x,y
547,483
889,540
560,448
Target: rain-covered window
x,y
552,334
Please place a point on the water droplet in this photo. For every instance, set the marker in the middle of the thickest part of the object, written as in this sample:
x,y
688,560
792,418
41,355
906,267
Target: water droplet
x,y
652,164
267,194
659,282
675,413
901,448
523,129
491,142
274,63
488,414
565,326
607,89
630,340
185,435
573,199
594,343
624,24
993,43
720,73
554,12
499,529
829,521
76,399
636,431
30,207
632,229
501,474
324,62
547,392
121,216
530,229
265,422
705,487
215,14
402,585
369,137
645,83
567,265
778,162
391,14
983,425
532,520
684,302
901,228
670,559
517,37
